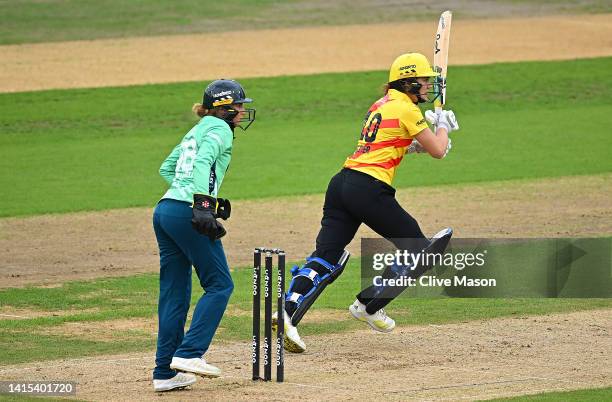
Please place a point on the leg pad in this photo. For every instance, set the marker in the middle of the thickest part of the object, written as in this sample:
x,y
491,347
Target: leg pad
x,y
318,281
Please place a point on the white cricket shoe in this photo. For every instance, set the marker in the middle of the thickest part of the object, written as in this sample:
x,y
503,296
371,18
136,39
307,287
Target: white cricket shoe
x,y
196,365
180,380
378,321
293,342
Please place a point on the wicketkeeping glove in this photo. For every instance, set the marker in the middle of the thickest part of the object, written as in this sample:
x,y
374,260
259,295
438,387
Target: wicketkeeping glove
x,y
446,119
224,208
203,217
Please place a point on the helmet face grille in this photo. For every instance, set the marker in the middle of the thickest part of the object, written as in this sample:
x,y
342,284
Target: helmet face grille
x,y
248,117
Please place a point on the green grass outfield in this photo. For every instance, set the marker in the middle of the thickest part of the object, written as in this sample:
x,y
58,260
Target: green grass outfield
x,y
582,395
23,340
35,21
93,149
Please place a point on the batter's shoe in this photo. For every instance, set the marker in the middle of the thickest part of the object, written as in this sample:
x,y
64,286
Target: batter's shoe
x,y
196,365
179,381
293,342
378,321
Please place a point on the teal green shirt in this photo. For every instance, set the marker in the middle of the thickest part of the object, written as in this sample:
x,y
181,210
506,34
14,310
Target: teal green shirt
x,y
198,164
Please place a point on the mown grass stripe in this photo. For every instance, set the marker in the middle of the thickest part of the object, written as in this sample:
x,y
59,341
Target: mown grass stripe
x,y
32,21
582,395
101,148
45,338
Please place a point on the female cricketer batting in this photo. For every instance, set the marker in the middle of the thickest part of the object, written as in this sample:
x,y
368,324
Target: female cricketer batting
x,y
188,233
362,193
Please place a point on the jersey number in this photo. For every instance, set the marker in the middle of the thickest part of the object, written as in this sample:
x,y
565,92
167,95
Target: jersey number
x,y
371,124
184,165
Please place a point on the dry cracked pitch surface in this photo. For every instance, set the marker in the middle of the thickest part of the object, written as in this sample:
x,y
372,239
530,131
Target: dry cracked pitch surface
x,y
472,360
313,50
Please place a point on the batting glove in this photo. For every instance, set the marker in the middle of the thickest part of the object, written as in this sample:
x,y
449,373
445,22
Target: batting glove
x,y
446,119
415,147
431,117
448,148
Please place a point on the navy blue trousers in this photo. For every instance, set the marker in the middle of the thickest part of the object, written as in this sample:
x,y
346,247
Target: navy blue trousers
x,y
180,248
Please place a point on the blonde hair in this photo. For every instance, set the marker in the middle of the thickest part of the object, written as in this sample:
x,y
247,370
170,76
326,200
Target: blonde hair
x,y
200,110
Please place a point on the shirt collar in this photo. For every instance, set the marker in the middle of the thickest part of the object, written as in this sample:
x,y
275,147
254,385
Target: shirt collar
x,y
394,94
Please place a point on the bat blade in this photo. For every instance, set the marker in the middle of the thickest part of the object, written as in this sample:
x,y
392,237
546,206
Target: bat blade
x,y
440,59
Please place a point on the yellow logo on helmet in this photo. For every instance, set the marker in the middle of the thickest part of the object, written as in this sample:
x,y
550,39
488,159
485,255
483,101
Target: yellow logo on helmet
x,y
410,65
220,102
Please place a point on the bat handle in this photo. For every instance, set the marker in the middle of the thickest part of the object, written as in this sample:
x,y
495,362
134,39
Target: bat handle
x,y
438,109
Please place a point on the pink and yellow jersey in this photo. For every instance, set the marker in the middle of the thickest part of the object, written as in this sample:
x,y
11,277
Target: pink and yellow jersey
x,y
389,127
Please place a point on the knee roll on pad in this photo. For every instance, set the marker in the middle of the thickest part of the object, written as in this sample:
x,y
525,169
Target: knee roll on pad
x,y
319,273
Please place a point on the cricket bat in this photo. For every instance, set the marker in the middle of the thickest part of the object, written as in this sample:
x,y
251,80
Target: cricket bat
x,y
440,59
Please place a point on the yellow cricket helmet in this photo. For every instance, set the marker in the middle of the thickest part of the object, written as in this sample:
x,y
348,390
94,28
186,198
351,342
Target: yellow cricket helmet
x,y
410,65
